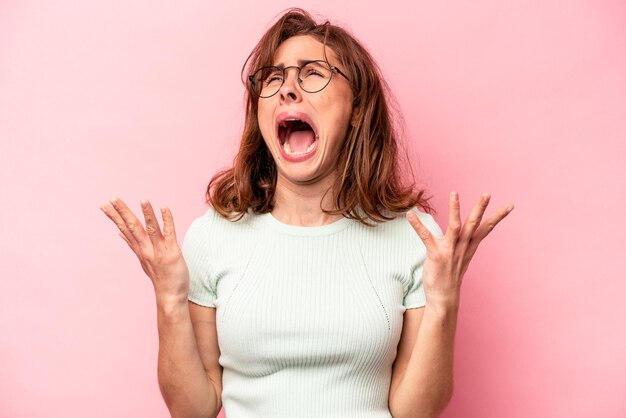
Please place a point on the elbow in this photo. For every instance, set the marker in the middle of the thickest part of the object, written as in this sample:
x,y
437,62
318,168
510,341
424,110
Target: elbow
x,y
442,403
438,407
426,408
193,414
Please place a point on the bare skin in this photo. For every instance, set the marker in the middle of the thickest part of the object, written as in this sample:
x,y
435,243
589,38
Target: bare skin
x,y
190,377
447,258
158,253
300,186
422,379
425,350
189,372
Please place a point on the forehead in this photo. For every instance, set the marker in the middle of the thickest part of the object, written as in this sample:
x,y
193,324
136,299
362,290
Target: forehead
x,y
301,47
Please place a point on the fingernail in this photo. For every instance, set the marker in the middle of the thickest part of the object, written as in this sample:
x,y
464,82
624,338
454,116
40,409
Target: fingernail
x,y
113,201
103,209
454,196
144,203
163,210
509,208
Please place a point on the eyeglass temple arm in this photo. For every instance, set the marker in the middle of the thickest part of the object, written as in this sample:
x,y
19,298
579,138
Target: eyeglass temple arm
x,y
339,71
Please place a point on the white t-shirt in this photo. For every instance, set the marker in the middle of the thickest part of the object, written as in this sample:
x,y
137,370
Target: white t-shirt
x,y
308,318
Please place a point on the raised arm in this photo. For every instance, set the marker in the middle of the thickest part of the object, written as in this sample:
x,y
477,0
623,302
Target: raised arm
x,y
422,380
190,388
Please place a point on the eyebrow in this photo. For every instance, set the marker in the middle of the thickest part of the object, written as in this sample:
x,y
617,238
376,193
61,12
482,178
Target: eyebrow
x,y
300,63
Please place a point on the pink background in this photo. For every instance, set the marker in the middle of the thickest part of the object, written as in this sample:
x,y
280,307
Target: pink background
x,y
526,100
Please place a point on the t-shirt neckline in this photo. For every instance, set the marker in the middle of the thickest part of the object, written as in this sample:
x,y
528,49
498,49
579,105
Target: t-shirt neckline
x,y
307,231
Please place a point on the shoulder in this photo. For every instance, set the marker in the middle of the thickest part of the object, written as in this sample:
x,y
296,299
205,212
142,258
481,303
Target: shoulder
x,y
427,220
394,247
399,227
213,220
395,239
212,227
212,241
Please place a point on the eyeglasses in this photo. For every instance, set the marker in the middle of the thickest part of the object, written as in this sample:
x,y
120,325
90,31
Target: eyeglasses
x,y
313,76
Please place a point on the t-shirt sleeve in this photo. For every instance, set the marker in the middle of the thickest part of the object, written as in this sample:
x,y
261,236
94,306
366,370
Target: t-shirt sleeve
x,y
415,296
197,254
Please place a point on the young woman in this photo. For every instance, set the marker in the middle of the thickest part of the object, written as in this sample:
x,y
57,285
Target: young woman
x,y
304,290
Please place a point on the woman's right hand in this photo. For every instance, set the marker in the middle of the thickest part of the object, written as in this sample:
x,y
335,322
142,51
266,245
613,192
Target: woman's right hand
x,y
159,254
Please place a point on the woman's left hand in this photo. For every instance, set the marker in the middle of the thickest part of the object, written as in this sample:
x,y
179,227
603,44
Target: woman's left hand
x,y
448,257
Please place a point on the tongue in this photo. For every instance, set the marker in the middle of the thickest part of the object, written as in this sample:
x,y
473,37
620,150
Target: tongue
x,y
299,141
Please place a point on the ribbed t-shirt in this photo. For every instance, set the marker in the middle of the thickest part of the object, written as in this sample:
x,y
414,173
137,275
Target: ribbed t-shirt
x,y
308,318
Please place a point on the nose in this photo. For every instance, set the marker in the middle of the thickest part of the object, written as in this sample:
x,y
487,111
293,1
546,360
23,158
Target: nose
x,y
290,90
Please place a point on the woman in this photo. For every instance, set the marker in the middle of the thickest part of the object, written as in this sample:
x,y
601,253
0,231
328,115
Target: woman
x,y
301,290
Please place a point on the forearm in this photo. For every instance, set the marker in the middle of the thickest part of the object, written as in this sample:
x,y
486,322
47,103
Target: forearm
x,y
426,387
184,383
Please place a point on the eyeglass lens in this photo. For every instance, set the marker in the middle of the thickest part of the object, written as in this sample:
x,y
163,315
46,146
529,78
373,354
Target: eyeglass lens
x,y
313,77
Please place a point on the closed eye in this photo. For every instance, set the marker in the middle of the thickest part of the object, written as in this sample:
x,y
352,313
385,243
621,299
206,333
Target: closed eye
x,y
273,79
313,72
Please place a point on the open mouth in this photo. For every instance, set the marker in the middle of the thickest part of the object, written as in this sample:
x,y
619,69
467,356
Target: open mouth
x,y
296,136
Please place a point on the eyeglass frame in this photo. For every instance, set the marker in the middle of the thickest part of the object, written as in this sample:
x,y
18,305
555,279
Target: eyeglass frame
x,y
333,69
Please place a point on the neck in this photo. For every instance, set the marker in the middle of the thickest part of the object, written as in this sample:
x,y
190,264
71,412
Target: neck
x,y
297,204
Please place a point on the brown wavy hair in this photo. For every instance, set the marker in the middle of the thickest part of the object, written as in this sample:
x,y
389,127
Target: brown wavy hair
x,y
369,185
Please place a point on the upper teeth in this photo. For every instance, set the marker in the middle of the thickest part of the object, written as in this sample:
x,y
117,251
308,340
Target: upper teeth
x,y
284,123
